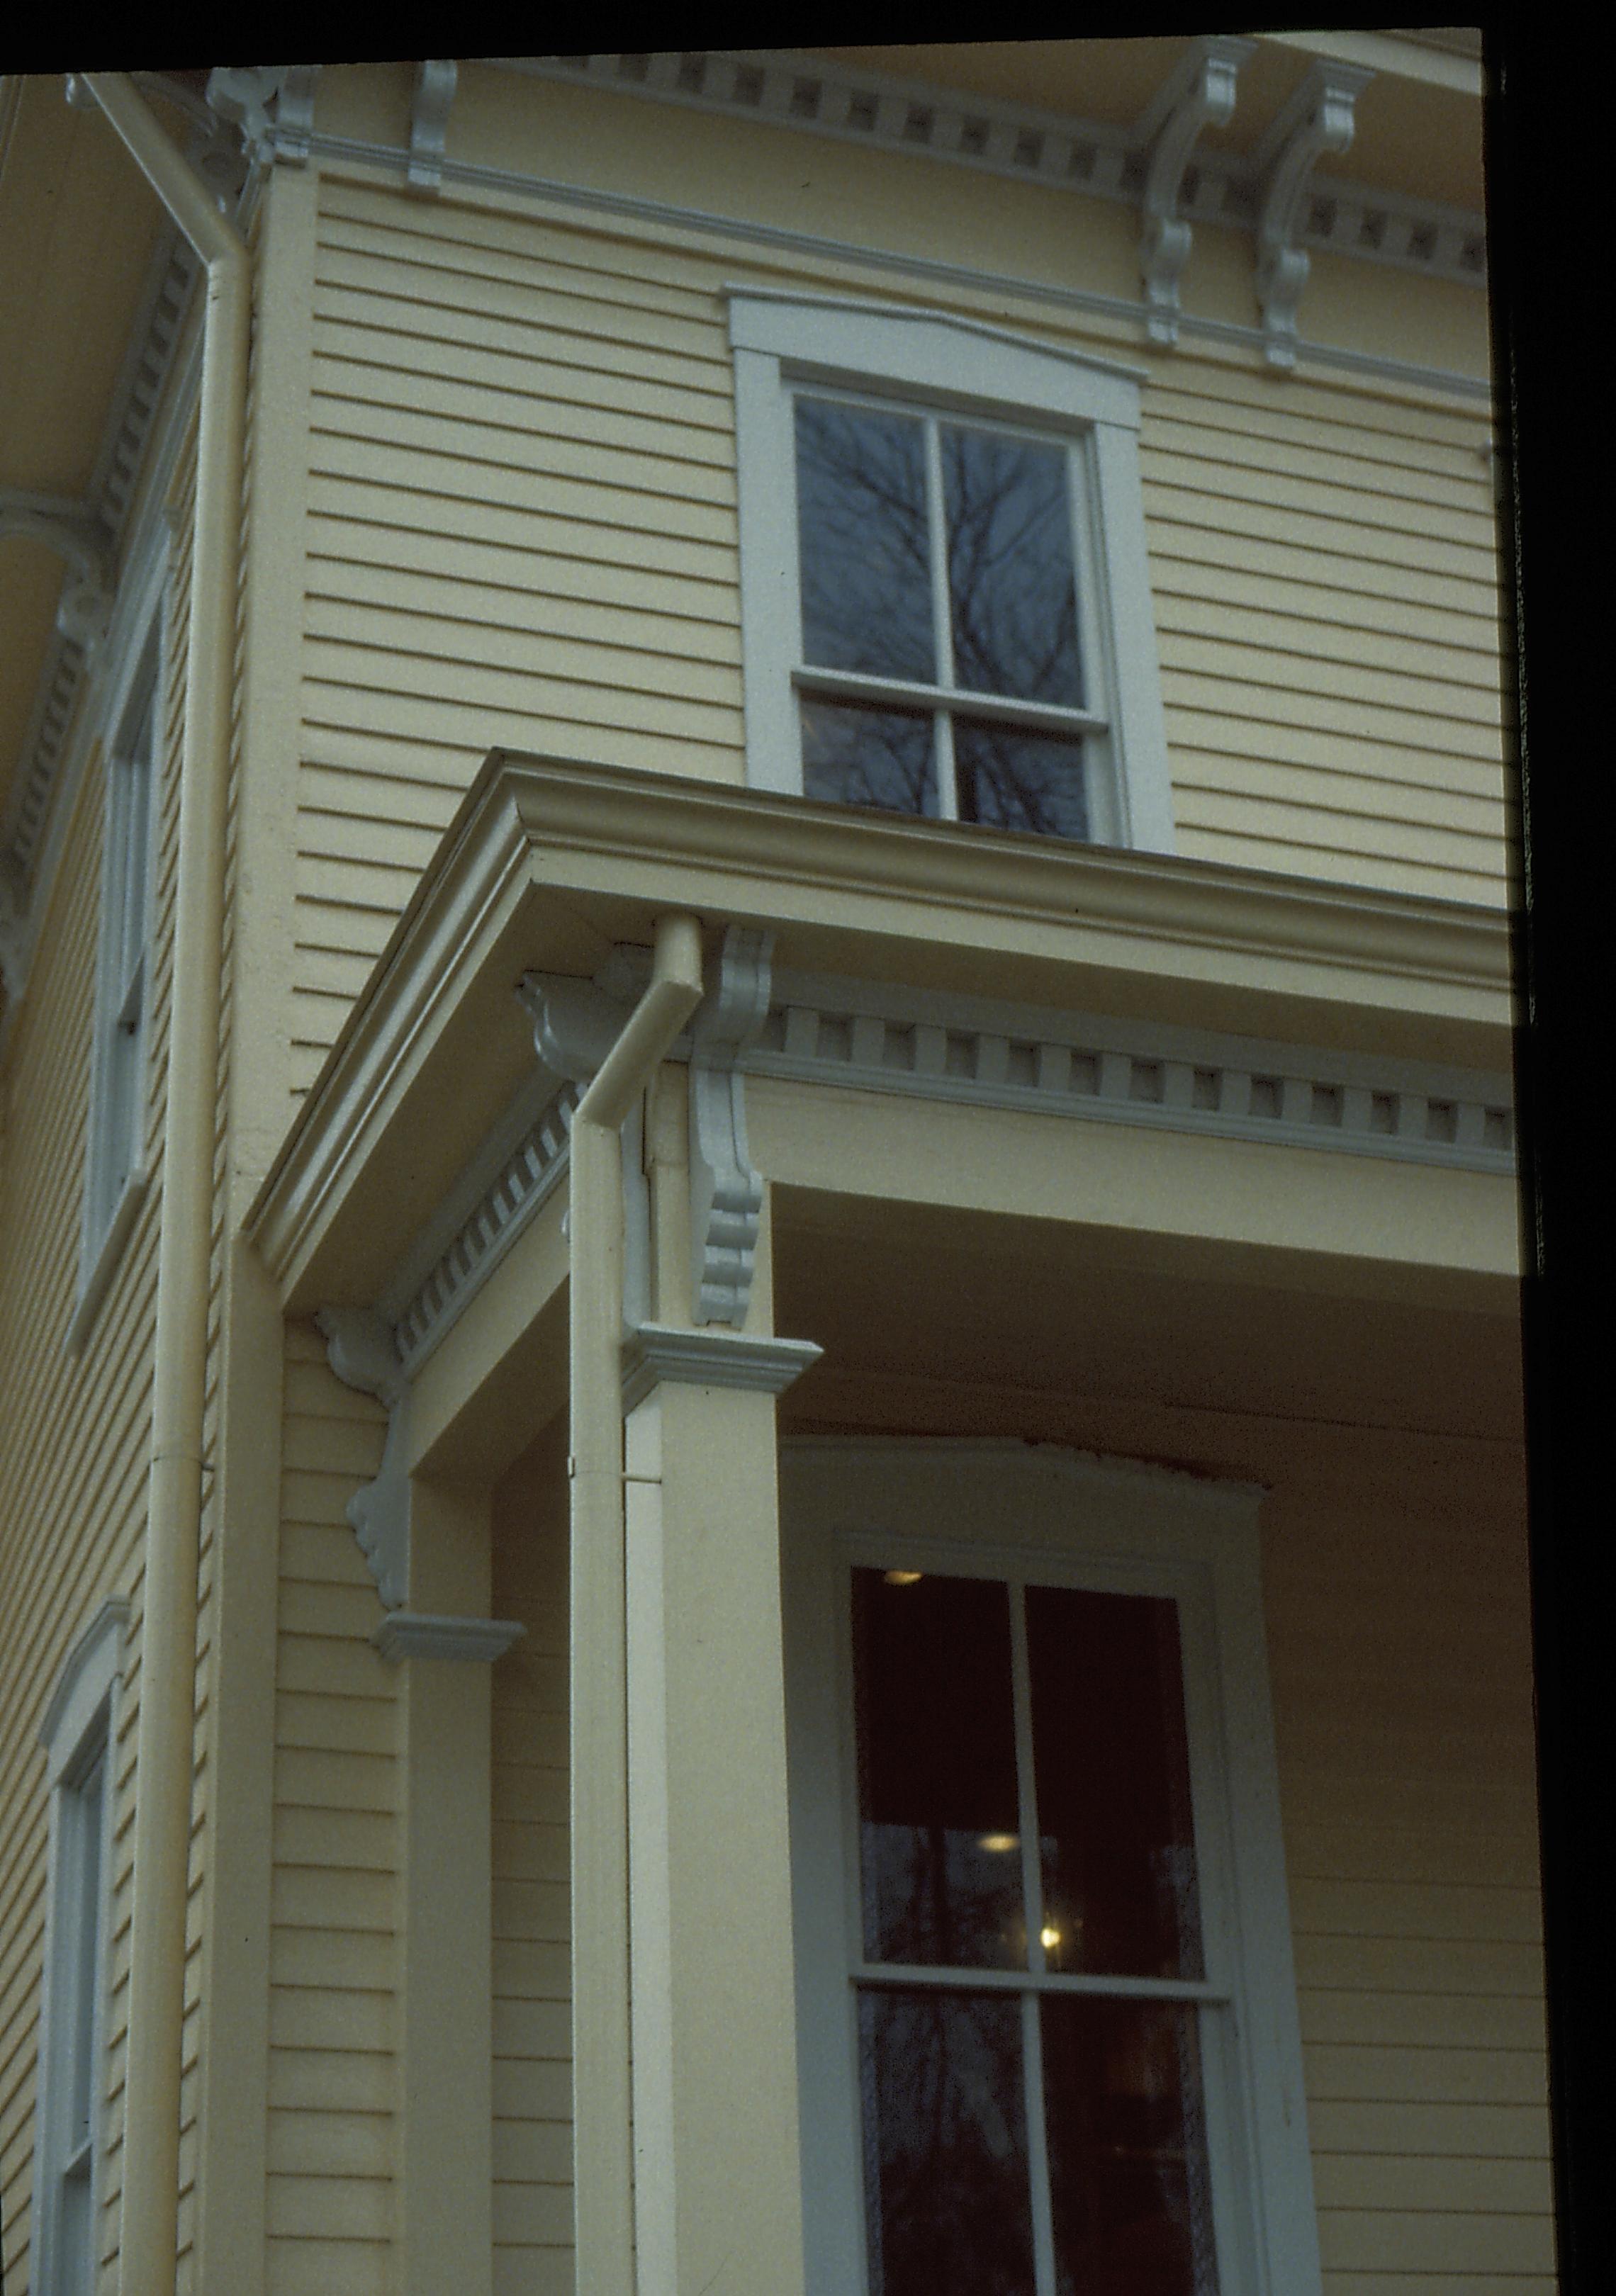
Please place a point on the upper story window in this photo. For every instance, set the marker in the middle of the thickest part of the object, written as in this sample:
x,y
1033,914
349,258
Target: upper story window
x,y
945,596
114,1168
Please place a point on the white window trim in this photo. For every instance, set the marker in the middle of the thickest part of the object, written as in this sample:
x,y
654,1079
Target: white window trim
x,y
137,674
953,366
80,1723
1098,1522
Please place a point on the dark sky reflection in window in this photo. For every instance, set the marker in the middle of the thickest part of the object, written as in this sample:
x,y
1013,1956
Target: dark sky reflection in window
x,y
1111,1762
1012,586
945,2143
939,1842
855,755
861,514
1012,780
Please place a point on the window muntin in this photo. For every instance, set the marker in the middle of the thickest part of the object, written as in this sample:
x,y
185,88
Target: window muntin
x,y
938,568
1024,1805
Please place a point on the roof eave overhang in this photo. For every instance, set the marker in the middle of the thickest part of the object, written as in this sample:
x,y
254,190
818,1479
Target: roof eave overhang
x,y
550,863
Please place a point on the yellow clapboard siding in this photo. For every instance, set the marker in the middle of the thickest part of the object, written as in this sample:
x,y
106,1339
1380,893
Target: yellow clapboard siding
x,y
434,652
1428,2131
1288,624
364,1840
1437,2283
1386,1910
388,522
428,612
472,368
534,2214
532,2151
1179,507
487,705
1404,2020
1433,789
1258,667
524,2030
1459,1855
337,1670
592,448
1441,2076
529,1792
331,1897
531,1969
315,2268
315,1779
522,2271
1336,520
425,743
1375,2240
532,2089
1330,436
1349,838
319,2025
518,296
344,1960
330,2207
381,563
1324,463
572,486
1384,2181
313,2144
528,1853
361,1725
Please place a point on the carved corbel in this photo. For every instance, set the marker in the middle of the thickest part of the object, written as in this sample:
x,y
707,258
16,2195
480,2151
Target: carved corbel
x,y
360,1349
1200,94
243,94
428,125
1317,120
75,534
725,1193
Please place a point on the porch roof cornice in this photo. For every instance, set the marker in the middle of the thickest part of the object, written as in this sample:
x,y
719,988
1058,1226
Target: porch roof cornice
x,y
550,863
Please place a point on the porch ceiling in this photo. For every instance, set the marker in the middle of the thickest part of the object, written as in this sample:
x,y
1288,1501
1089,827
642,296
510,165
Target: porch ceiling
x,y
78,231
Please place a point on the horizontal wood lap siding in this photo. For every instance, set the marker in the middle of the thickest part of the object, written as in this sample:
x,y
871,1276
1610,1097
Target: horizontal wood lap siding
x,y
1325,582
532,1991
1403,1698
521,531
333,2030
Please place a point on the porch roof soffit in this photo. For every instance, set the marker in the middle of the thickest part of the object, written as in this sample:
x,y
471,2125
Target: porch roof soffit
x,y
551,865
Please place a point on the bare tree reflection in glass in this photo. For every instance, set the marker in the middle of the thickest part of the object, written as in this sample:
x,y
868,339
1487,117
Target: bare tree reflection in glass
x,y
945,2139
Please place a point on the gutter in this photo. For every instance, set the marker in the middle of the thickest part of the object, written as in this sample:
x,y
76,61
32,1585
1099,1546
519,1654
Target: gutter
x,y
150,2235
602,2150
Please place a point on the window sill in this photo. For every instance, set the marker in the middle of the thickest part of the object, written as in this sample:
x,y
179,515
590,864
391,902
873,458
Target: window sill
x,y
97,1274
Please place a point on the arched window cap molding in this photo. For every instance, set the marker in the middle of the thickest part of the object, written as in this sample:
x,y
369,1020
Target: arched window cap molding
x,y
94,1665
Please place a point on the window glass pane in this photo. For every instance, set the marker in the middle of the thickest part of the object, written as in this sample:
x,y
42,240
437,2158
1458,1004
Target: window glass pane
x,y
939,1837
1014,780
1011,587
1111,1763
1129,2190
945,2144
861,518
854,756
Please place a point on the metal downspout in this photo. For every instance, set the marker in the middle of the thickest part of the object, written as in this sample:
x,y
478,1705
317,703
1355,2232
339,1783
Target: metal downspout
x,y
148,2240
603,2173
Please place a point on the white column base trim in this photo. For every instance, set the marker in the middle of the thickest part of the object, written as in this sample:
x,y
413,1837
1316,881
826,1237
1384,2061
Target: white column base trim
x,y
655,1352
419,1634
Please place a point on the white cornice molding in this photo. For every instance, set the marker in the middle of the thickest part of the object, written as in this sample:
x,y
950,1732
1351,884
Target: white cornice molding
x,y
1385,239
653,1353
872,1036
1200,94
424,1634
807,93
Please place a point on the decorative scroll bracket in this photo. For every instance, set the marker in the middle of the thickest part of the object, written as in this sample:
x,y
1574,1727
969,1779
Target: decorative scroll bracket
x,y
428,125
360,1349
1200,94
1318,119
242,94
726,1191
74,533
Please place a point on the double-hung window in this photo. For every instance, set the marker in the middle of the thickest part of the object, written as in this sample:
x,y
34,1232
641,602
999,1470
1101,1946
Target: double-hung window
x,y
78,1736
1047,2028
114,1149
944,598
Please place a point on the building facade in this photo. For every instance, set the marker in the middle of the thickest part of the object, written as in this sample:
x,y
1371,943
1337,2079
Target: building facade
x,y
762,1518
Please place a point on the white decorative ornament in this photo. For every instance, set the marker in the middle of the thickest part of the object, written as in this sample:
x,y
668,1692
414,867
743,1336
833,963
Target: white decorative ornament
x,y
1318,119
575,1022
653,1353
726,1191
74,532
428,125
1201,94
360,1349
422,1633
